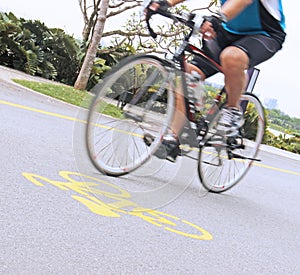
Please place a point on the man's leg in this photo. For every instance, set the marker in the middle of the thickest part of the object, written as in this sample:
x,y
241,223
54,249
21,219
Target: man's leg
x,y
170,145
180,112
234,62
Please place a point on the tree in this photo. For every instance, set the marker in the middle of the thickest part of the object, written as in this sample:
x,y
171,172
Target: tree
x,y
132,38
90,10
134,35
87,65
89,19
95,15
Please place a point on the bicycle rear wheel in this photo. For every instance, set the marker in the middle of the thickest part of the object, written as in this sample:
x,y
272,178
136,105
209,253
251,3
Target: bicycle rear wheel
x,y
224,162
134,101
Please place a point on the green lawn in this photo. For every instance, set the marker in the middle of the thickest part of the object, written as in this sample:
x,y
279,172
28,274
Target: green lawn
x,y
61,92
67,94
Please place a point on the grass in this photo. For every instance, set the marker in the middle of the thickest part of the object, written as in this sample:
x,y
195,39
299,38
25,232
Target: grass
x,y
284,130
61,92
67,94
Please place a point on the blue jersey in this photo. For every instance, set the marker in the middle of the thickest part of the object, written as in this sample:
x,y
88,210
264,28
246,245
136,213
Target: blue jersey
x,y
254,18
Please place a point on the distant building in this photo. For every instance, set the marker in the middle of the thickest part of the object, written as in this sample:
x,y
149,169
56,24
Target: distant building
x,y
271,103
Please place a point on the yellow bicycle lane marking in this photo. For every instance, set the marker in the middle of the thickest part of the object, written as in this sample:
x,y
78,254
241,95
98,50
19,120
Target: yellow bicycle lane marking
x,y
64,117
118,203
83,121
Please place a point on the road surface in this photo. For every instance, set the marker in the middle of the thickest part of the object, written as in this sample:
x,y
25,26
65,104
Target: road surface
x,y
60,216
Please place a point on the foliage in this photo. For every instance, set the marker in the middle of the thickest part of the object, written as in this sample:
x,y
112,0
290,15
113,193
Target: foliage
x,y
283,122
32,47
282,142
251,121
90,9
134,36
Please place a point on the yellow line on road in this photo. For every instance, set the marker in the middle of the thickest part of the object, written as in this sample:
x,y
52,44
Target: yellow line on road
x,y
277,169
65,117
40,111
83,121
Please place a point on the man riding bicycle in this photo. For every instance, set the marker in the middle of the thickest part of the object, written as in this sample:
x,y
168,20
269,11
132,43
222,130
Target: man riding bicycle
x,y
243,34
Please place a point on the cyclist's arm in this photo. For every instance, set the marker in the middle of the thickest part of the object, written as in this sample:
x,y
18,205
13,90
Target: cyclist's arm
x,y
231,8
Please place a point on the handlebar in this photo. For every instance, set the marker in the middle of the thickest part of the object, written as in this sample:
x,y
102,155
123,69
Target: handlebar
x,y
188,19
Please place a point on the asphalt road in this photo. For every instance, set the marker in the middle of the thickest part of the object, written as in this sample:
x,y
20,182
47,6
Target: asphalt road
x,y
58,215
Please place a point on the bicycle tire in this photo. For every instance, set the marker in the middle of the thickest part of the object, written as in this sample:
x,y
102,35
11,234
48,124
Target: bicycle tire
x,y
116,143
219,171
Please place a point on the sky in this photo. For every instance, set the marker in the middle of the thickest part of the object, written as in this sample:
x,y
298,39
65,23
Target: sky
x,y
279,77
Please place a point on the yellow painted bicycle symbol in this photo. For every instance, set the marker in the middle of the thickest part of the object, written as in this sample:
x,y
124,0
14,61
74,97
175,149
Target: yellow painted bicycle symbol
x,y
113,201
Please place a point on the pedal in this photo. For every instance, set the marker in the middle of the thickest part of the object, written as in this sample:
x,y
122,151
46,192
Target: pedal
x,y
134,117
148,139
237,156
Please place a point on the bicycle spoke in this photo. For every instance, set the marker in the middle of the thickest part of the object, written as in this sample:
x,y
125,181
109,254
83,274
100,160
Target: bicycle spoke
x,y
116,141
220,175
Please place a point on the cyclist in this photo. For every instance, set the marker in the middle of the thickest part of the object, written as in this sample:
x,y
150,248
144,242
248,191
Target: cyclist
x,y
242,34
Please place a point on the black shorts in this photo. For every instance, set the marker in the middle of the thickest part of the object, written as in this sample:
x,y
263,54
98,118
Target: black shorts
x,y
258,47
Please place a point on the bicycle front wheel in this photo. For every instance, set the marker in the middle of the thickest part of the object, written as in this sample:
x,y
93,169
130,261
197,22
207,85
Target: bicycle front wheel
x,y
224,162
133,102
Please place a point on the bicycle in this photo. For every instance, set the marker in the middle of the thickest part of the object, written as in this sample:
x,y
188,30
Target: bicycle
x,y
140,92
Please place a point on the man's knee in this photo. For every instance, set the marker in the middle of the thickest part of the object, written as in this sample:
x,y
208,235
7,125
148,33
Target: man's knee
x,y
233,57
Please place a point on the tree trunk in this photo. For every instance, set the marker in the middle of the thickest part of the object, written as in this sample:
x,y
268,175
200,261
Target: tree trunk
x,y
91,53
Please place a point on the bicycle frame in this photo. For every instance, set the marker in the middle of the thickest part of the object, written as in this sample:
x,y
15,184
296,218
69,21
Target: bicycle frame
x,y
186,47
120,144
